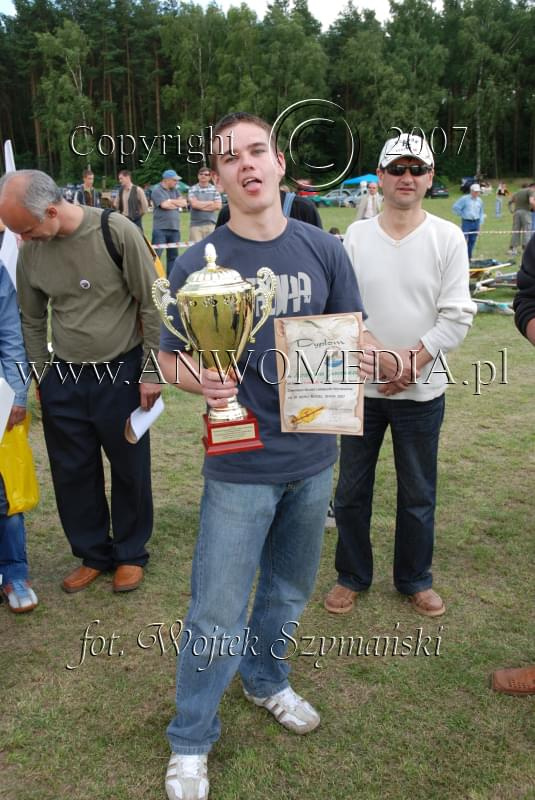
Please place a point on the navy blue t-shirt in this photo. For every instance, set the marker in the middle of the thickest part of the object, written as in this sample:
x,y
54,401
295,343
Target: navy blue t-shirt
x,y
314,276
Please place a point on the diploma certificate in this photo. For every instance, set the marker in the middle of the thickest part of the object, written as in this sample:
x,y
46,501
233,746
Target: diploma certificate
x,y
320,388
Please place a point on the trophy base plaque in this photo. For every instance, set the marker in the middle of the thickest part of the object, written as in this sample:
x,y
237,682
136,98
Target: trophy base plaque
x,y
234,436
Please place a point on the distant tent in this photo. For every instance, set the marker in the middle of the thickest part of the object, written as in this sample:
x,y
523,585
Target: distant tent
x,y
369,178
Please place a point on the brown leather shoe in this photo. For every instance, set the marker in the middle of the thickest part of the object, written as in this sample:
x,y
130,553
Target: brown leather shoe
x,y
79,579
127,577
519,681
428,603
340,600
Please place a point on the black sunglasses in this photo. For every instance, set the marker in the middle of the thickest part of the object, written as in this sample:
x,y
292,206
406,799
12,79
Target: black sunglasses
x,y
415,169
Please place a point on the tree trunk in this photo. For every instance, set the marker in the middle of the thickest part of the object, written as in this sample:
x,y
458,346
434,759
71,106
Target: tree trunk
x,y
157,92
112,124
130,116
532,140
202,92
36,123
478,122
515,134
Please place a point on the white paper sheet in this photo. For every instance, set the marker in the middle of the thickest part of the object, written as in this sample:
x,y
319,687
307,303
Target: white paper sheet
x,y
140,421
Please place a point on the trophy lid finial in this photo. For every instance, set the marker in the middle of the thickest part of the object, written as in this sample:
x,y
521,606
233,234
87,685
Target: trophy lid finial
x,y
210,256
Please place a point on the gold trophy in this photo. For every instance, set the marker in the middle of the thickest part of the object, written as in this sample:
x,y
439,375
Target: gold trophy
x,y
216,308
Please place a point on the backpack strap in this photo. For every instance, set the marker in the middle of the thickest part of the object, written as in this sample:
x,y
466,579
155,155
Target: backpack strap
x,y
288,203
108,241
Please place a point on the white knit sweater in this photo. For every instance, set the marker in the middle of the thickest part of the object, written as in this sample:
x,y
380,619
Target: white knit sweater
x,y
414,289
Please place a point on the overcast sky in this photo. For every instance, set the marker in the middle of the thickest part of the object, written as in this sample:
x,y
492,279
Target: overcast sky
x,y
325,11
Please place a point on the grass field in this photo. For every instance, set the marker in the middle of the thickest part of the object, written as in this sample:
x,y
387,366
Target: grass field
x,y
420,726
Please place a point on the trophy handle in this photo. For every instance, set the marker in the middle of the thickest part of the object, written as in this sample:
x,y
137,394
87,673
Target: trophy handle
x,y
267,293
162,299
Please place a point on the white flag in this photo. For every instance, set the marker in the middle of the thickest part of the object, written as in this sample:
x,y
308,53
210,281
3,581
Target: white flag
x,y
9,249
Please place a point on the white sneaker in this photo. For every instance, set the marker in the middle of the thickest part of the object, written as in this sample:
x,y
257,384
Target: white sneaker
x,y
187,777
290,709
20,596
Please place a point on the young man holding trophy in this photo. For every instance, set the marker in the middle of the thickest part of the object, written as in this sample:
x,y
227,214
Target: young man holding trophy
x,y
266,493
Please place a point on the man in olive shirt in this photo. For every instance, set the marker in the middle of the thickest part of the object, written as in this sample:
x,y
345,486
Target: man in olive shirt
x,y
102,318
521,204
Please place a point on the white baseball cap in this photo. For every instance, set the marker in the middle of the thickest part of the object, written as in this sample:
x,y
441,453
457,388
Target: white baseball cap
x,y
406,145
475,187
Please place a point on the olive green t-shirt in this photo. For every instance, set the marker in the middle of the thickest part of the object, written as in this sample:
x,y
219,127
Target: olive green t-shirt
x,y
98,311
521,199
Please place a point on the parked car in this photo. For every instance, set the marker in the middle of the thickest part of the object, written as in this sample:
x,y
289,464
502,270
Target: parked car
x,y
336,197
68,192
466,183
355,197
437,190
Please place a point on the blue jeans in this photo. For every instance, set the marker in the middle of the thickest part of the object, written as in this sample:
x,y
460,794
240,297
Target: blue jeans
x,y
166,236
279,529
415,431
13,560
470,228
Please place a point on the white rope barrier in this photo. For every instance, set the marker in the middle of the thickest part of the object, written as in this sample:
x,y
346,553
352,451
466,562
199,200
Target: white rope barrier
x,y
167,245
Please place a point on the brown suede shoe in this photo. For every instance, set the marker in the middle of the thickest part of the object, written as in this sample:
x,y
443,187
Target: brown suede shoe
x,y
428,603
519,681
127,577
79,579
340,600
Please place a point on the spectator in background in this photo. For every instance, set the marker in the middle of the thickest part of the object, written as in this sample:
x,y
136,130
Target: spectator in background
x,y
87,195
521,680
501,191
205,203
336,232
472,213
131,200
371,203
148,194
520,207
14,583
168,203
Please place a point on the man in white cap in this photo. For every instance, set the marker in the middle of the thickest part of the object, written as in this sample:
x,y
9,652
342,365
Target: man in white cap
x,y
412,271
472,213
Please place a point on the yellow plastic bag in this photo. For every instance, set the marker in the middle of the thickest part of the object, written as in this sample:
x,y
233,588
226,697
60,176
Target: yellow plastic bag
x,y
158,266
18,470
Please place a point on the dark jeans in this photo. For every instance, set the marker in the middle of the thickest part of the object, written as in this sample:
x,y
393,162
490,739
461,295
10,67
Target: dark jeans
x,y
166,236
81,417
415,431
470,228
13,559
